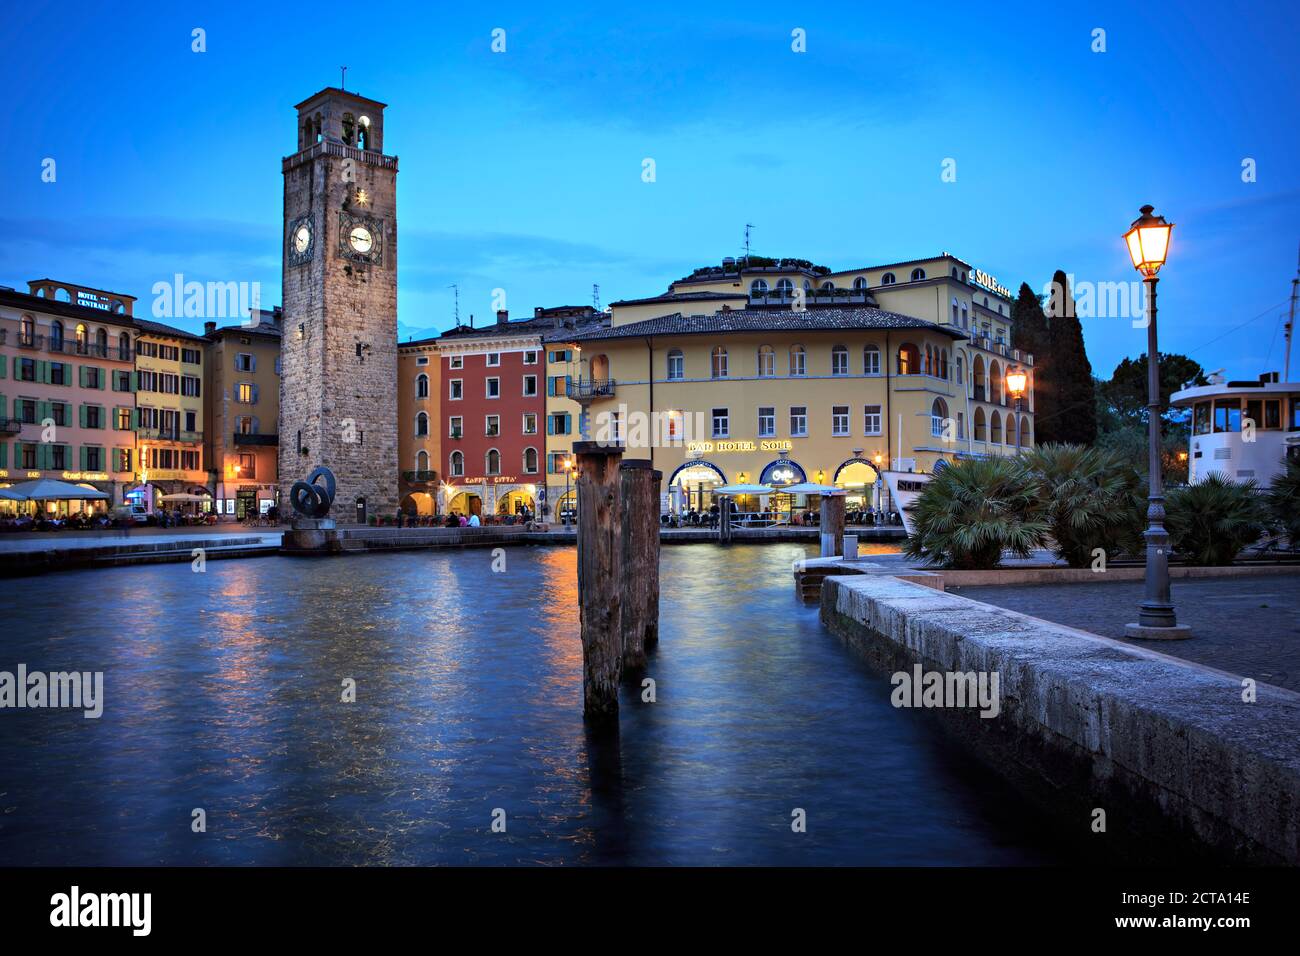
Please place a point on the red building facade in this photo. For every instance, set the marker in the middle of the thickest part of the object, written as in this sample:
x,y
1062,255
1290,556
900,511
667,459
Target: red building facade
x,y
493,418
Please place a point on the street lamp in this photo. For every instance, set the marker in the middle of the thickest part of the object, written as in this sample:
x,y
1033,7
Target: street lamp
x,y
1148,246
568,471
880,490
1017,379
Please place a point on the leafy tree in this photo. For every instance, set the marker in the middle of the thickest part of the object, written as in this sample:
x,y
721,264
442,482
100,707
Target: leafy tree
x,y
1090,499
1211,521
974,510
1069,374
1029,334
1125,395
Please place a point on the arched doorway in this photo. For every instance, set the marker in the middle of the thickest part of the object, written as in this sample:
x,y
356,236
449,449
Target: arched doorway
x,y
465,503
858,477
691,485
418,503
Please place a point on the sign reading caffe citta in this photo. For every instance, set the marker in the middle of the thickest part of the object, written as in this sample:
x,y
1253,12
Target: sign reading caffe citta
x,y
986,281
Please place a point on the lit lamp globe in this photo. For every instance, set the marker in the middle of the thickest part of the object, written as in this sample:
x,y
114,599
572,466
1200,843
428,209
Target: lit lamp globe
x,y
1017,379
1148,241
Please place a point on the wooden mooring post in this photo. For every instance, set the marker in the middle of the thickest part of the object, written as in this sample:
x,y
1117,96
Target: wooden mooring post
x,y
600,574
639,519
832,525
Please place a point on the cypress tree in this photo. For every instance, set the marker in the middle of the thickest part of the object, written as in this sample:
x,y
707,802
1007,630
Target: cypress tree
x,y
1029,334
1074,397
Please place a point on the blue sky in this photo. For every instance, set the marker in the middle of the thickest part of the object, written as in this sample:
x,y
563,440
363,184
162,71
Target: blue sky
x,y
522,170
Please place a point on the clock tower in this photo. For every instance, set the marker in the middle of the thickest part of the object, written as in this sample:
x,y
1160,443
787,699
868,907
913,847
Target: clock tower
x,y
338,380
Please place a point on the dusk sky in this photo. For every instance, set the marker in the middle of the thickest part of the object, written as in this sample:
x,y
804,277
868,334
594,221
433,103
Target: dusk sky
x,y
522,170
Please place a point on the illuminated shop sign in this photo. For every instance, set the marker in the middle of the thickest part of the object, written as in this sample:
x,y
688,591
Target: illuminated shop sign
x,y
84,476
4,473
986,281
92,300
710,447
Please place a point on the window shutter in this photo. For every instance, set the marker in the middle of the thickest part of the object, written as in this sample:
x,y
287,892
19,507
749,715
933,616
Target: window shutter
x,y
135,381
4,369
83,457
81,376
135,418
43,372
81,413
4,451
3,403
100,380
254,393
18,367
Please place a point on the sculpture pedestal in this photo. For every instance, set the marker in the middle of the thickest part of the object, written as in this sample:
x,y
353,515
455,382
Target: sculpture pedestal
x,y
311,536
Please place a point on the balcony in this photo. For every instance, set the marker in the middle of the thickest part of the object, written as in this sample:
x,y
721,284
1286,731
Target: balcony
x,y
456,434
591,388
10,426
419,477
243,438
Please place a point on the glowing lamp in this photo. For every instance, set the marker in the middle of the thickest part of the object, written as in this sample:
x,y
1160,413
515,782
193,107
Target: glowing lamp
x,y
1148,242
1017,379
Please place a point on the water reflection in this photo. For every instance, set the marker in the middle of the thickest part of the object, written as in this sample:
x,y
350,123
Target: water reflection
x,y
224,691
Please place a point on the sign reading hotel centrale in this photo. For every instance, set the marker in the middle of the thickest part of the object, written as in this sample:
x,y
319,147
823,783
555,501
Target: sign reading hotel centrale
x,y
986,281
708,447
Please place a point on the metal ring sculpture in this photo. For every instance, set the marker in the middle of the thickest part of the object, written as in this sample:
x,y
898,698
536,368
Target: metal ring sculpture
x,y
311,500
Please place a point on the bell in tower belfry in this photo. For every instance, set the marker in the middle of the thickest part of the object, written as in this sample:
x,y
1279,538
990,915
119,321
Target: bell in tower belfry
x,y
339,352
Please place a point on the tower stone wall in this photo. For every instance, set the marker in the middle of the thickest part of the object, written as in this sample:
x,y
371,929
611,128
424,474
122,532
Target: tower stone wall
x,y
339,353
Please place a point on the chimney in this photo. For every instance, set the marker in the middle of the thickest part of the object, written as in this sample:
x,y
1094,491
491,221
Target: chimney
x,y
209,328
503,316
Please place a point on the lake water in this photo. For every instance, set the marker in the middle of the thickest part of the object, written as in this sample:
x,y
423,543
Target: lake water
x,y
223,693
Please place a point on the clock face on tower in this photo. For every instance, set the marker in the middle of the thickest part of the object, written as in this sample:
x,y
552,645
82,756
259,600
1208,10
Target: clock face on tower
x,y
361,238
301,241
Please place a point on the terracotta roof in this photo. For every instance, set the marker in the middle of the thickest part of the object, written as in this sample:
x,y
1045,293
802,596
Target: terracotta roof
x,y
753,320
157,328
681,296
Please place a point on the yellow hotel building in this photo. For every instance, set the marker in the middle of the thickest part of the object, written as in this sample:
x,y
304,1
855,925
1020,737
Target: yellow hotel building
x,y
169,414
783,372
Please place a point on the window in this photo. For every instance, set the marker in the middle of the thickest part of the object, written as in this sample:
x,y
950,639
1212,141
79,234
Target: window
x,y
840,420
1227,415
560,355
674,419
492,462
455,389
26,409
245,392
1266,415
190,386
26,370
191,356
798,360
190,460
457,468
493,387
530,423
61,373
676,365
421,425
245,362
421,386
92,376
758,287
94,456
122,459
92,416
530,357
888,279
960,379
530,461
422,360
918,275
766,361
965,315
121,380
839,360
123,420
456,361
871,360
454,426
721,423
557,385
798,421
859,283
719,362
493,359
828,286
785,287
909,359
954,309
558,423
555,462
530,386
1201,419
169,352
871,420
191,421
938,418
492,425
766,421
247,465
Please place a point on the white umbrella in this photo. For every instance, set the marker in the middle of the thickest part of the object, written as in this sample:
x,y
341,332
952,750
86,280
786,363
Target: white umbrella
x,y
183,496
744,490
811,488
47,489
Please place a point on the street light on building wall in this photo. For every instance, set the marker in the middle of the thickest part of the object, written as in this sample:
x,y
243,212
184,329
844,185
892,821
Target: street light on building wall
x,y
1148,246
1017,380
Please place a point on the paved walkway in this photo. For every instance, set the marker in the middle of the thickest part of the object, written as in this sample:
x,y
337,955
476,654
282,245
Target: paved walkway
x,y
62,540
1246,625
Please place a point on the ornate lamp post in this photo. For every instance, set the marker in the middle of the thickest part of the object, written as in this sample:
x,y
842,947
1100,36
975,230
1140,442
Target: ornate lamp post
x,y
1017,379
1148,246
568,473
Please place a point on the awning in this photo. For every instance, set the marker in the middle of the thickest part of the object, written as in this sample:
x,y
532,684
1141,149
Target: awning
x,y
812,488
183,496
48,489
744,490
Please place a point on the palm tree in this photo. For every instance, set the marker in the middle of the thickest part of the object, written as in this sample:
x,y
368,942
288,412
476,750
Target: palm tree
x,y
1284,500
971,512
1090,498
1211,521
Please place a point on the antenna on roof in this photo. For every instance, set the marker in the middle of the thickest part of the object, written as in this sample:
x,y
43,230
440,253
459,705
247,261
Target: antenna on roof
x,y
748,226
343,80
595,296
456,292
1290,325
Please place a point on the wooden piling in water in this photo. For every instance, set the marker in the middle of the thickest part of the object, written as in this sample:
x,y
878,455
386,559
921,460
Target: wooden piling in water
x,y
600,573
832,525
639,520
